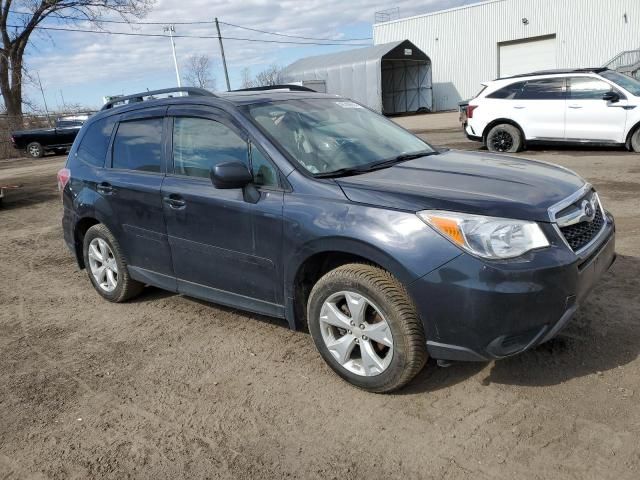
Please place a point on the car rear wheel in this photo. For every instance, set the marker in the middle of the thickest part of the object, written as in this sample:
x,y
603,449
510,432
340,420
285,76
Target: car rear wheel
x,y
35,150
366,327
504,138
635,141
106,266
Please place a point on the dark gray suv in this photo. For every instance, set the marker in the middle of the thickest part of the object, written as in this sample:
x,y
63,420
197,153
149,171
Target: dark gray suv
x,y
314,209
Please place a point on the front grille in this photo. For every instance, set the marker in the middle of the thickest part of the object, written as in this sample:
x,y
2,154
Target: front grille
x,y
580,234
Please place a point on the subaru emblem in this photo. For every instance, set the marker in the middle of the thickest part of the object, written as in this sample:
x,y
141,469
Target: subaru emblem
x,y
589,210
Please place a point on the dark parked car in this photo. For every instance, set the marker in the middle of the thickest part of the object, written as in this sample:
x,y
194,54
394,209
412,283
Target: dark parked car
x,y
39,141
312,208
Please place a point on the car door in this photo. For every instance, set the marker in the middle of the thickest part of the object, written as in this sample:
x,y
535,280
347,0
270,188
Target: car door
x,y
225,247
589,117
130,191
66,132
539,108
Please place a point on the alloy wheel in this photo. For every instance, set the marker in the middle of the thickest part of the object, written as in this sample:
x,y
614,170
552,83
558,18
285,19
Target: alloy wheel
x,y
103,265
356,333
502,141
34,151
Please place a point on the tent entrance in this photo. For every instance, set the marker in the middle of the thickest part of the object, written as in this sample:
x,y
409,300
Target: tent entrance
x,y
406,86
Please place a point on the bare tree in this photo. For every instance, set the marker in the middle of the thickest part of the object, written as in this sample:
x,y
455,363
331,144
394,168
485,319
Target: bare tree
x,y
268,76
16,30
246,81
198,72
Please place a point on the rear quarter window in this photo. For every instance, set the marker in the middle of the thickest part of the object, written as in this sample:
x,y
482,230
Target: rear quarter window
x,y
95,142
509,92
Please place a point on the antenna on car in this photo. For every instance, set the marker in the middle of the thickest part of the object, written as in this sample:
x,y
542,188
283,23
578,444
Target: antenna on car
x,y
150,95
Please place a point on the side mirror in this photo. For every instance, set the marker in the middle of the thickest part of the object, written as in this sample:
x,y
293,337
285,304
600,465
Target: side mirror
x,y
612,97
230,175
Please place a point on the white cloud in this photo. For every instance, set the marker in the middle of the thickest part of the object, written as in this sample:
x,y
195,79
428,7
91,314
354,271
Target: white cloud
x,y
81,60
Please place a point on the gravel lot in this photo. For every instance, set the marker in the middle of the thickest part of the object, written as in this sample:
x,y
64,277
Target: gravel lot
x,y
171,387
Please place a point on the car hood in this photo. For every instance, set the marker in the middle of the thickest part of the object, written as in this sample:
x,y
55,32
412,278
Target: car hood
x,y
480,183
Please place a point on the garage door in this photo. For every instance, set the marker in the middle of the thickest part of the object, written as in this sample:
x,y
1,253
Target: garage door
x,y
527,55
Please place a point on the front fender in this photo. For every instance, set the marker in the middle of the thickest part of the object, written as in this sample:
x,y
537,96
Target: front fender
x,y
398,241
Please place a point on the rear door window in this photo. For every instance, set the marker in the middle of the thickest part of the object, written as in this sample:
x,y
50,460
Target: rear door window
x,y
138,145
95,142
543,89
199,144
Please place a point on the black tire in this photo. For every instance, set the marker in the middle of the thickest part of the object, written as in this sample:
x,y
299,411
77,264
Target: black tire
x,y
126,288
35,150
505,138
634,141
394,303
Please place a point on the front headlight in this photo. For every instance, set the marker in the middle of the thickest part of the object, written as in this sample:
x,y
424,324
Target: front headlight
x,y
487,237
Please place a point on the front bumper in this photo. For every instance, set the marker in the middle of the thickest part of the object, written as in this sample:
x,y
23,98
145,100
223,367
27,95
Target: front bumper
x,y
475,310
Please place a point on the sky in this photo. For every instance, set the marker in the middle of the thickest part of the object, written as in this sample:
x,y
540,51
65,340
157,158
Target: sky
x,y
81,68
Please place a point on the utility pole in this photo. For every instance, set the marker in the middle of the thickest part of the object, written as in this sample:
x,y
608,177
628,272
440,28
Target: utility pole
x,y
171,29
46,110
224,60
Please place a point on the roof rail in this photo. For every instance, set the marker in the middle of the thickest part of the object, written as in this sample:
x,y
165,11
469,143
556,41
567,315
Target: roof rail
x,y
556,72
139,97
291,88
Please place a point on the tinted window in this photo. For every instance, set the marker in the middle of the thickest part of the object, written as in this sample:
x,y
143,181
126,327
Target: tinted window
x,y
199,144
508,92
264,172
586,88
138,145
95,142
545,89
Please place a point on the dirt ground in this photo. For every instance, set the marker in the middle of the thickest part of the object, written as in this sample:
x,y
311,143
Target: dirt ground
x,y
171,387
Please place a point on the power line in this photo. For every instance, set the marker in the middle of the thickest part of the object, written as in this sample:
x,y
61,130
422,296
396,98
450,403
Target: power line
x,y
201,22
137,34
123,22
296,36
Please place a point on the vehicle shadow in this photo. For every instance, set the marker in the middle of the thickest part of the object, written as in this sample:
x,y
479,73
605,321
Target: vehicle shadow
x,y
604,335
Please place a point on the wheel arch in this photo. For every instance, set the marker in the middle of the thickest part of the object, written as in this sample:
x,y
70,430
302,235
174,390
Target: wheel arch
x,y
314,261
498,121
79,231
630,133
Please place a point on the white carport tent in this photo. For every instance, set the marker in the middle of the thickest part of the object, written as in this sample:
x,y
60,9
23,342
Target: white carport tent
x,y
391,78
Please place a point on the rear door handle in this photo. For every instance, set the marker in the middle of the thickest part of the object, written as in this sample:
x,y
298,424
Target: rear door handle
x,y
105,188
175,201
519,107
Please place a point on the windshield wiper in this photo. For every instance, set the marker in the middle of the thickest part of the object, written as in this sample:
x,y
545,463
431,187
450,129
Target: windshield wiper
x,y
369,167
398,159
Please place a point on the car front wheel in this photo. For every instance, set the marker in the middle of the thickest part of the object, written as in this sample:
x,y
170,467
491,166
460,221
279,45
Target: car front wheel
x,y
504,138
366,327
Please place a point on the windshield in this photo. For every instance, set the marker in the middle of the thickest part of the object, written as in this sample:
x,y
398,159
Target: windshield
x,y
330,135
630,84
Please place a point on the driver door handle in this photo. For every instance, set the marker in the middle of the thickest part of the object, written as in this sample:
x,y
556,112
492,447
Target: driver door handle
x,y
575,106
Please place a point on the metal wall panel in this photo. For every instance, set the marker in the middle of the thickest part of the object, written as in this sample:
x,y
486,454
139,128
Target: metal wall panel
x,y
462,43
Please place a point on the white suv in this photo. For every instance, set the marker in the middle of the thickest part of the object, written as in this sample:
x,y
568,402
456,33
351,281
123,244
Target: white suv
x,y
597,106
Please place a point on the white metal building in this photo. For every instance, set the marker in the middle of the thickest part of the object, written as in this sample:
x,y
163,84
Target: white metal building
x,y
471,44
